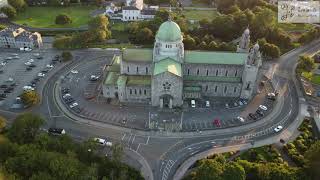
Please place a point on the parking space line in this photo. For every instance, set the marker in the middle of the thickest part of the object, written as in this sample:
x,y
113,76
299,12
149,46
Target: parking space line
x,y
124,135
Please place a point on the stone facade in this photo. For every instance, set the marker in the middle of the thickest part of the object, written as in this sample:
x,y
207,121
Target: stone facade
x,y
168,75
19,38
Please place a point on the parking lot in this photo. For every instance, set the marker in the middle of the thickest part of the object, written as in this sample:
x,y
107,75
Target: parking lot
x,y
19,69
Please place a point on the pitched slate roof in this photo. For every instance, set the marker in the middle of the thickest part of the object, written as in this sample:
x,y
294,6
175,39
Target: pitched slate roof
x,y
130,8
207,57
167,65
137,55
212,78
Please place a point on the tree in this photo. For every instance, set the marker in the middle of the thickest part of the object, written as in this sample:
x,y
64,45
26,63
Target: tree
x,y
9,11
63,19
203,45
145,36
313,160
66,56
189,42
269,50
54,2
98,26
233,171
2,123
62,42
30,98
19,5
2,27
25,128
305,64
117,152
99,2
208,169
212,46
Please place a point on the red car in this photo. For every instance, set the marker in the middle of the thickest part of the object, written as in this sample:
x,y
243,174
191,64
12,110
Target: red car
x,y
217,122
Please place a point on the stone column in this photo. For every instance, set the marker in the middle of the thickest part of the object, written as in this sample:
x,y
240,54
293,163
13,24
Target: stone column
x,y
170,103
161,102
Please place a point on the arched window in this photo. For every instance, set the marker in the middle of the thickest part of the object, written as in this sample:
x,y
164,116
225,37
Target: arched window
x,y
216,89
225,89
206,87
207,72
198,71
130,91
128,69
235,89
226,72
236,73
137,69
217,72
188,71
135,91
147,70
145,92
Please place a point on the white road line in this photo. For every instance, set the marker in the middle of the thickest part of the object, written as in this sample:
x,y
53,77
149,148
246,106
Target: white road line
x,y
124,135
133,139
147,140
48,107
138,147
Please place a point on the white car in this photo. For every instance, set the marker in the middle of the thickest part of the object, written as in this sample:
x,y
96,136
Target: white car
x,y
207,103
49,66
36,54
271,94
74,71
16,57
14,54
241,119
278,129
27,49
263,107
28,63
3,63
31,60
73,105
66,96
94,77
21,49
28,88
193,103
10,79
41,75
100,141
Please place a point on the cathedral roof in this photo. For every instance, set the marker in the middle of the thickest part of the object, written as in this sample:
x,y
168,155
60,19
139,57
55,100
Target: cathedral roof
x,y
169,31
207,57
137,55
167,65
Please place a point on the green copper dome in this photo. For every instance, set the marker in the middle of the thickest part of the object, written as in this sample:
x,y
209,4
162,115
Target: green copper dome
x,y
169,31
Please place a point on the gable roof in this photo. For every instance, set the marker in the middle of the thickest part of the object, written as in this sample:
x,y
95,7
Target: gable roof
x,y
130,8
137,55
167,65
207,57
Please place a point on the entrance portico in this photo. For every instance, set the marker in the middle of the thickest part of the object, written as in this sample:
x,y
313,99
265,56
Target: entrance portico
x,y
166,101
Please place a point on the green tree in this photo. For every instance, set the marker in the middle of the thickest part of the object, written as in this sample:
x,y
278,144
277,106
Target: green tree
x,y
312,156
30,98
2,26
9,11
189,42
145,36
2,123
305,64
208,169
63,19
19,5
62,42
25,128
54,2
117,152
98,26
213,46
66,56
233,171
203,45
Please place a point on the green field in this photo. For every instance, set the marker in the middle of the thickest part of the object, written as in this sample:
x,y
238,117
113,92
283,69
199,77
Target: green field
x,y
316,79
44,17
294,27
198,15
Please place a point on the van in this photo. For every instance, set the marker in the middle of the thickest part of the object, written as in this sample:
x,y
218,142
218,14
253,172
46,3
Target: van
x,y
193,103
56,131
207,103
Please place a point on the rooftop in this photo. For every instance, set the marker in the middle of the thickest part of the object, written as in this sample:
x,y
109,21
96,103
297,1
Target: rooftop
x,y
137,55
167,65
207,57
139,80
212,78
192,88
115,66
111,78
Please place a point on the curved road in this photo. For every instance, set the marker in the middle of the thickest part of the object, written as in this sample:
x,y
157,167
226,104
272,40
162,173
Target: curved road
x,y
162,154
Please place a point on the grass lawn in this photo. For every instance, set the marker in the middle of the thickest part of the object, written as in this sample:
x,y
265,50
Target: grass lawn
x,y
295,27
44,17
198,15
315,79
119,32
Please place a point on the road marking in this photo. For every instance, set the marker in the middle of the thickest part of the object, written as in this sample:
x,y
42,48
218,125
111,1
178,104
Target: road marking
x,y
138,147
124,135
48,107
148,140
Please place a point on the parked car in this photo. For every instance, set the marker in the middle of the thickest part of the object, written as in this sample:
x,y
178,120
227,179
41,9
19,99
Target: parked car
x,y
260,113
65,90
74,71
252,116
49,66
241,119
3,86
217,122
207,103
28,88
278,129
73,105
94,78
28,63
69,100
32,65
102,142
41,74
263,107
3,95
66,96
193,103
56,131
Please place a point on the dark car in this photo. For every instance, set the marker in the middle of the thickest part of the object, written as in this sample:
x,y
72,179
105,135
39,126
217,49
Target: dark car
x,y
1,71
2,95
13,84
36,79
76,109
32,65
65,90
259,113
7,91
69,100
45,71
3,86
28,68
252,116
39,57
56,131
10,88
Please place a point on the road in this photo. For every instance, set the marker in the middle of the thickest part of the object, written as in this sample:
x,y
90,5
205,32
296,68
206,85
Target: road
x,y
162,154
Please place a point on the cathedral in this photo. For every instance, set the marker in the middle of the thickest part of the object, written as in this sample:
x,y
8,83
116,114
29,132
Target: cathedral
x,y
167,75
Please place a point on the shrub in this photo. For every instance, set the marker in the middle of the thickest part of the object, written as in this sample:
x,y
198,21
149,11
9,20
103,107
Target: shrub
x,y
30,98
2,123
9,11
66,56
63,19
